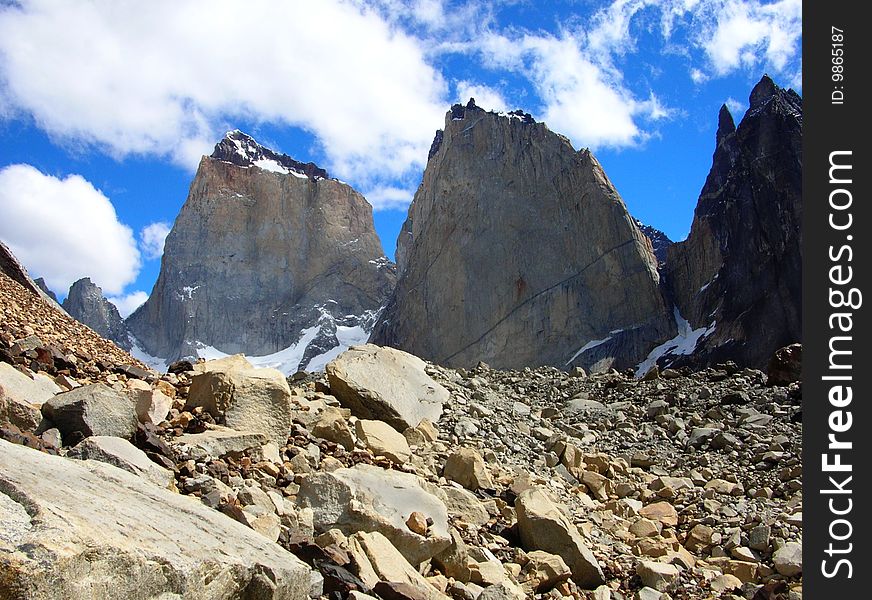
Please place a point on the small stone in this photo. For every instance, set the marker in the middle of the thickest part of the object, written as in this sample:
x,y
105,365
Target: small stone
x,y
646,528
332,426
467,467
545,570
663,512
788,559
417,522
383,440
758,537
657,575
647,593
725,583
699,538
743,553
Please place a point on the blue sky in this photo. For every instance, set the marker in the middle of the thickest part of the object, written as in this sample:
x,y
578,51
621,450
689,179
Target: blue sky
x,y
107,105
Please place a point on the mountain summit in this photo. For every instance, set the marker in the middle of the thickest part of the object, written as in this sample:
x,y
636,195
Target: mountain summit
x,y
267,254
241,149
738,276
518,251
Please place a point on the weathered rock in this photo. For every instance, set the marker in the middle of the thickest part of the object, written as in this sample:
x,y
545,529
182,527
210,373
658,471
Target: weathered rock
x,y
367,498
91,410
462,504
746,227
545,570
387,564
264,248
467,467
61,542
332,426
152,405
788,559
124,455
387,385
758,537
502,591
383,440
257,400
725,583
21,397
662,512
515,286
543,526
455,561
785,366
657,575
221,441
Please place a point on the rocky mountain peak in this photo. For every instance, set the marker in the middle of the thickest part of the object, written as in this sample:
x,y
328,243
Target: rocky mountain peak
x,y
763,91
506,237
42,285
726,125
746,228
242,150
277,260
85,303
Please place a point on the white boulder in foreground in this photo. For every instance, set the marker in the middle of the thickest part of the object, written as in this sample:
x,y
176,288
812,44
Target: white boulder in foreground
x,y
88,530
387,385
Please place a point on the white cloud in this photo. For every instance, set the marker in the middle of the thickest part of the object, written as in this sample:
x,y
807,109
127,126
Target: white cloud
x,y
165,77
485,96
64,229
151,239
737,108
128,303
754,35
389,198
581,98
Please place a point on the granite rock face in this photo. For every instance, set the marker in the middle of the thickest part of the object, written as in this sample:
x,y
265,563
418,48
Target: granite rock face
x,y
86,304
90,530
518,251
267,253
739,273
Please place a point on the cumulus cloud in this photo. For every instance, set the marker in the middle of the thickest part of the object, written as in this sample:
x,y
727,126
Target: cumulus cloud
x,y
752,34
389,198
729,34
581,97
166,77
151,239
128,303
64,229
737,108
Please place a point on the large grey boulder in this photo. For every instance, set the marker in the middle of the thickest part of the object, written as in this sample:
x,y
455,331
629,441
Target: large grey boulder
x,y
266,253
518,251
21,397
245,399
368,498
124,455
91,531
386,384
542,525
94,409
